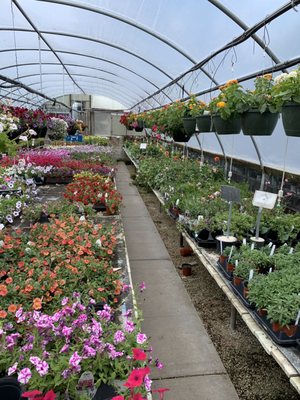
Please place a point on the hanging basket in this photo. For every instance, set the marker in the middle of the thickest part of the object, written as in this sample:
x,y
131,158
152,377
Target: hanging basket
x,y
291,119
140,126
129,128
204,123
231,126
189,125
255,123
179,135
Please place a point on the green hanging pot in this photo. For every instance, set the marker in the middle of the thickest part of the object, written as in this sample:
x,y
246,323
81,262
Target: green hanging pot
x,y
255,123
179,135
204,123
291,119
140,126
189,125
231,126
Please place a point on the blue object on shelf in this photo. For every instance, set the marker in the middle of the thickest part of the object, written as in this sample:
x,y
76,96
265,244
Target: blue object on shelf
x,y
75,138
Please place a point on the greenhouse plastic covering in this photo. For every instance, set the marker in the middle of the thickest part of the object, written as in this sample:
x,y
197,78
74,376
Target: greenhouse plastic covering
x,y
127,50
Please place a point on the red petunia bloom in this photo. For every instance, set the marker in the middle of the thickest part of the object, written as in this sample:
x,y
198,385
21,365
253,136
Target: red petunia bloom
x,y
139,355
136,378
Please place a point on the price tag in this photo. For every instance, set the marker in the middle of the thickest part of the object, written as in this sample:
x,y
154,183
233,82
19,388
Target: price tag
x,y
236,263
251,273
230,193
270,244
270,270
143,146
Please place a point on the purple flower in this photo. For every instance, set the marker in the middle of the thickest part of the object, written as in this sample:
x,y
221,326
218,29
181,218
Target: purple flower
x,y
96,327
67,332
42,368
12,369
24,376
141,338
129,326
119,337
158,364
27,347
75,359
142,286
112,353
66,373
65,348
88,352
64,301
147,383
128,313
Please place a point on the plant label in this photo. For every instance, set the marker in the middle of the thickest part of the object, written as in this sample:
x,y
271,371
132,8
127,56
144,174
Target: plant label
x,y
230,193
291,250
264,199
236,263
177,202
252,246
298,318
273,250
86,385
143,146
244,242
251,273
270,244
230,254
270,270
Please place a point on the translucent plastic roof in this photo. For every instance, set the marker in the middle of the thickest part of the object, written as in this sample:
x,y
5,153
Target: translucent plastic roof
x,y
129,50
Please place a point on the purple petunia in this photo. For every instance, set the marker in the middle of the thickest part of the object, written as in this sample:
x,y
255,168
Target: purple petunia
x,y
24,376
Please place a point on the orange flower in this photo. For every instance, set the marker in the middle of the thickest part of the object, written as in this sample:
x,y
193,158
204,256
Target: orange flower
x,y
12,308
37,303
8,280
3,314
217,159
221,104
3,290
28,288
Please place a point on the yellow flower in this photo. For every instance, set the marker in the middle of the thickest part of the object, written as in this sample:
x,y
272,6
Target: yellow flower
x,y
267,76
221,104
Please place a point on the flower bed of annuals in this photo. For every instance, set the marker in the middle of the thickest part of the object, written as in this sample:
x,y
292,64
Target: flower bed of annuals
x,y
60,298
89,188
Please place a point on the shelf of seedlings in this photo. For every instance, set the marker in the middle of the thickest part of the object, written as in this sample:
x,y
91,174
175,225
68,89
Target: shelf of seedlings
x,y
287,357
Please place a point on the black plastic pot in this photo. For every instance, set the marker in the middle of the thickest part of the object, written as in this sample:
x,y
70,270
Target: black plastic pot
x,y
204,123
99,207
255,123
291,119
10,388
189,125
231,126
179,135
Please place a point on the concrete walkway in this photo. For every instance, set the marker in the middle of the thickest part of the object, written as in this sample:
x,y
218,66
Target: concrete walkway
x,y
193,369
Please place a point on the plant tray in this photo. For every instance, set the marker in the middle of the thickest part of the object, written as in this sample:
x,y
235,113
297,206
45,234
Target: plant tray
x,y
279,337
206,243
228,275
99,207
49,180
239,291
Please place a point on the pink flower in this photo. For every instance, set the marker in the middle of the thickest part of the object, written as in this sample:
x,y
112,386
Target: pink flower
x,y
24,376
136,378
119,337
12,369
118,398
141,338
129,326
75,359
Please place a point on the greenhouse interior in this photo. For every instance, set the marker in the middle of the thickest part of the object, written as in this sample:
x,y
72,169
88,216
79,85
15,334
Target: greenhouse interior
x,y
149,200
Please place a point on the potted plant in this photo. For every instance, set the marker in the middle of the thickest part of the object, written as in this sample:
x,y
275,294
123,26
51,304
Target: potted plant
x,y
262,114
189,115
174,115
227,107
286,92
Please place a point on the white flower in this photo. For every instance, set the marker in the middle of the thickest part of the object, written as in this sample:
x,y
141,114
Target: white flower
x,y
1,242
23,138
32,132
1,128
13,127
293,74
280,78
1,227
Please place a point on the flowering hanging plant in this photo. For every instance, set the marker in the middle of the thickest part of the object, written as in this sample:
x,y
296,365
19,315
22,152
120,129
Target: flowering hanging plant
x,y
231,102
57,128
261,97
287,88
194,107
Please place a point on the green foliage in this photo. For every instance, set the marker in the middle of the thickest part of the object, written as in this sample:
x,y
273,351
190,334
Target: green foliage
x,y
261,97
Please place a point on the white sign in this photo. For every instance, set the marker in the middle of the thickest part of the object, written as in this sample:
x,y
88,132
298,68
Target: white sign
x,y
264,199
143,146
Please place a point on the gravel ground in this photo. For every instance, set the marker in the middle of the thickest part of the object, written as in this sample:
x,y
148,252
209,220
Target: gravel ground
x,y
255,375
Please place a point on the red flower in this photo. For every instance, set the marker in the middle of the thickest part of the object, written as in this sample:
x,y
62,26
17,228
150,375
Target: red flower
x,y
139,355
136,378
138,396
32,394
118,398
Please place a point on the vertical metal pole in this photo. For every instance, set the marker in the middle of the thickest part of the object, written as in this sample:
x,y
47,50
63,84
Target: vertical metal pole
x,y
258,222
223,151
233,314
262,182
229,219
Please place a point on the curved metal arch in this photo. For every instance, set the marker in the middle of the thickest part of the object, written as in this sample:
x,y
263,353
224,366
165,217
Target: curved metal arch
x,y
82,75
245,27
17,5
91,84
96,41
92,57
76,65
133,24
